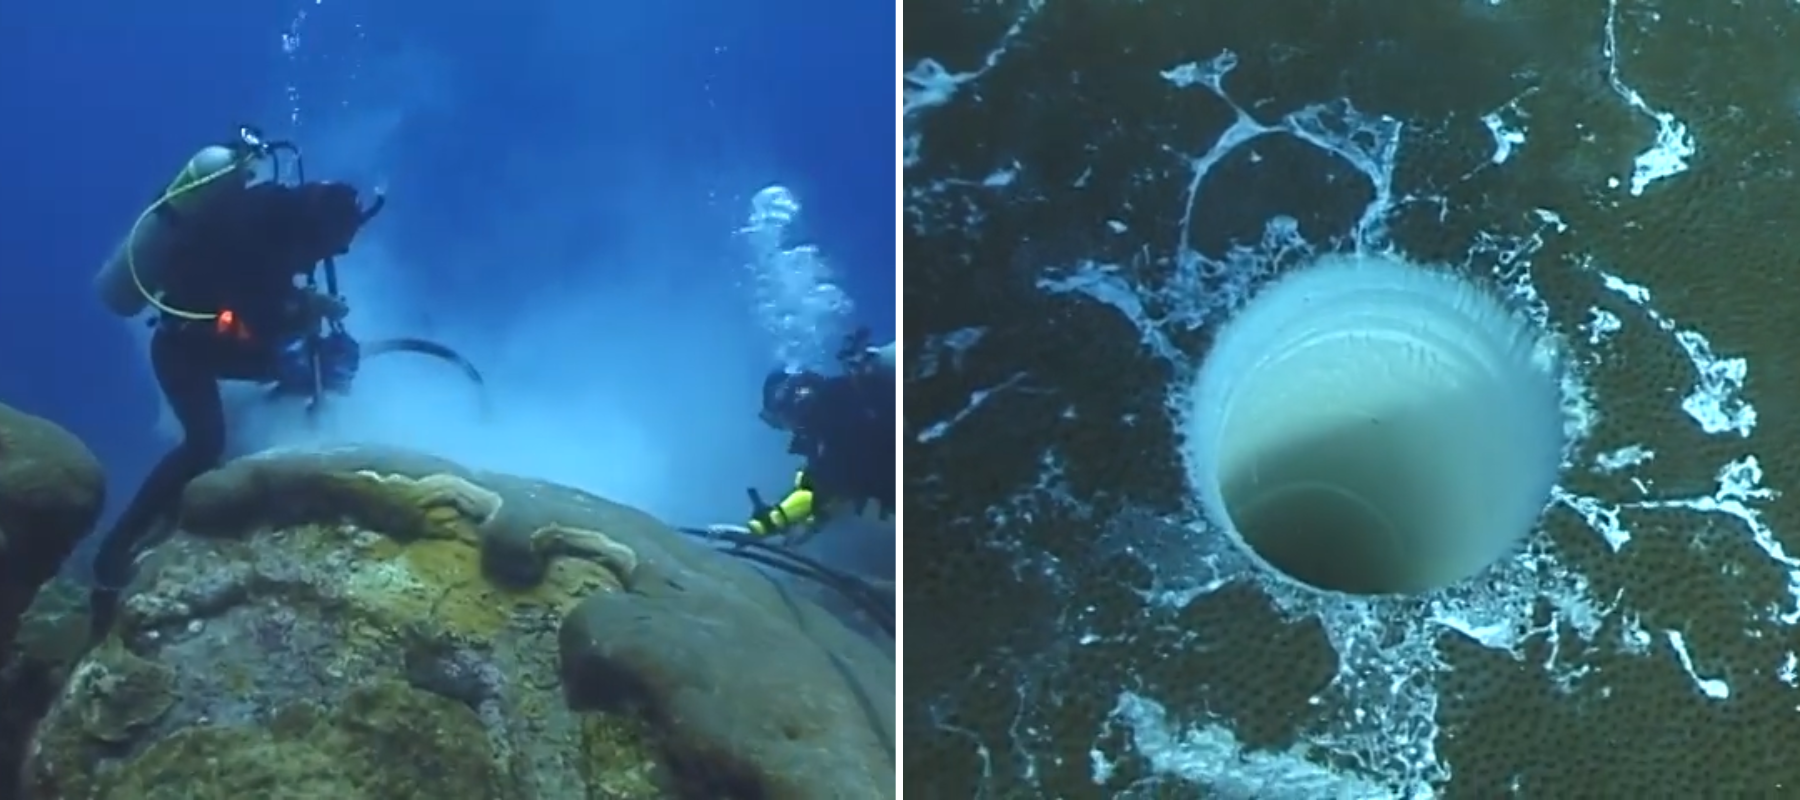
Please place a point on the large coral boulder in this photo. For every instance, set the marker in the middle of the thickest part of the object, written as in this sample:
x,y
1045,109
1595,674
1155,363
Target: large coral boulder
x,y
51,491
362,623
780,701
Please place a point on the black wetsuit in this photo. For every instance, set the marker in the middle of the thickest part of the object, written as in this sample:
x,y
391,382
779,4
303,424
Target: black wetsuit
x,y
249,258
847,439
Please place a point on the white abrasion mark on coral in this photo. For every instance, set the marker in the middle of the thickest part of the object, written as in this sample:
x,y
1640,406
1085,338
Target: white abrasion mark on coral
x,y
1601,325
946,350
1716,401
1600,516
1668,155
1505,138
1211,74
1740,495
1506,626
998,179
1492,634
1740,490
1105,283
1623,458
1633,638
983,754
1505,620
1211,756
1789,671
936,430
1580,414
1637,293
930,85
1711,687
1102,770
1023,733
1382,705
1506,125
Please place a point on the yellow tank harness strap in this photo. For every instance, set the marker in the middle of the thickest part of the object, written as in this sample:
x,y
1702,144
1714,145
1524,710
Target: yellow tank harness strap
x,y
185,182
795,509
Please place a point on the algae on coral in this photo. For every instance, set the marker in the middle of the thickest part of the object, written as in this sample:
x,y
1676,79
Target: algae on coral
x,y
323,614
386,740
117,693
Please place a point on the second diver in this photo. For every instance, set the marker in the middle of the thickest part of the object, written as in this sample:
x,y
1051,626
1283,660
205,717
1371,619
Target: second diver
x,y
844,429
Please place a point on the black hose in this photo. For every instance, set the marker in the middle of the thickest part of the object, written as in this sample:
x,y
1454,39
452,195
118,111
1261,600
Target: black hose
x,y
379,347
859,592
428,348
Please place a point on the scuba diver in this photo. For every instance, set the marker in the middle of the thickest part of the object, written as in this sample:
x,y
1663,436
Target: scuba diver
x,y
845,428
229,265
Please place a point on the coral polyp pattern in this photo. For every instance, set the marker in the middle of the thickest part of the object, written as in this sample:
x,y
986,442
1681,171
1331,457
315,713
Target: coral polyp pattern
x,y
1091,190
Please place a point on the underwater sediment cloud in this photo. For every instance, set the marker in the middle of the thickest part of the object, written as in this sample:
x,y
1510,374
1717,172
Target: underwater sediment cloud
x,y
1113,400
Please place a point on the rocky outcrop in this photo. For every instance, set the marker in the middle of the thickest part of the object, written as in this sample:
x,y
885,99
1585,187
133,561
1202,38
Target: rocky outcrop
x,y
51,491
378,624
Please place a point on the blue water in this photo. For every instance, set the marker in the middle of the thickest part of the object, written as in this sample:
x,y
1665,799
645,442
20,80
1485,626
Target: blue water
x,y
568,182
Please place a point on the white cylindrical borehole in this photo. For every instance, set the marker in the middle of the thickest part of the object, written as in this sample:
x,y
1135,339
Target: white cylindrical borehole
x,y
1370,426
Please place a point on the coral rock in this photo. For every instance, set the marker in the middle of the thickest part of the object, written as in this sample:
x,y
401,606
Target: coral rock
x,y
51,491
363,623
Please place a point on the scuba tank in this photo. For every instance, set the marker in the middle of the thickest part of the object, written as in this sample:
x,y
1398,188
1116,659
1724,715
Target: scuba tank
x,y
130,279
323,360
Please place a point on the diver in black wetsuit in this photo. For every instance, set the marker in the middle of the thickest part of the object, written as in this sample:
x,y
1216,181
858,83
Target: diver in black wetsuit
x,y
845,428
231,280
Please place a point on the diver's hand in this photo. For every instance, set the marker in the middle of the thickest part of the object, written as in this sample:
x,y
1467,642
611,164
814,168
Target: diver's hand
x,y
327,306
